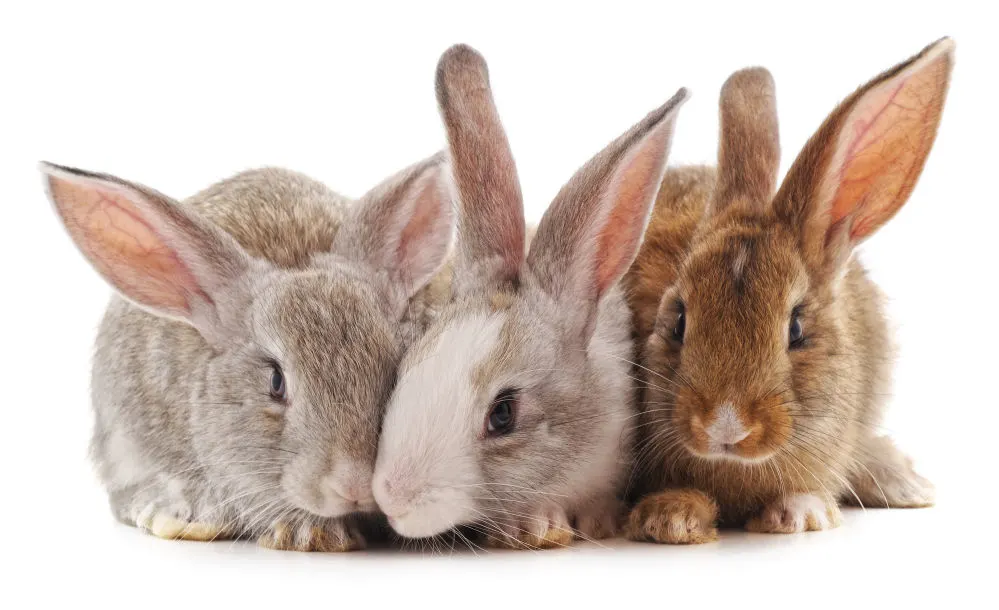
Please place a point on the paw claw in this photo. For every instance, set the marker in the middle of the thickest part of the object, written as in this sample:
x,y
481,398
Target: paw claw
x,y
795,514
676,516
169,526
544,532
332,537
597,526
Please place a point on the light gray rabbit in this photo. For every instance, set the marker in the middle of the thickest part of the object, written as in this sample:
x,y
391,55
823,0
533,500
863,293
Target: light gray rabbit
x,y
239,385
512,413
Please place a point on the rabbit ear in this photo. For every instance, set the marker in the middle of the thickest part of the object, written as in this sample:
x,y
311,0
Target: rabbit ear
x,y
860,167
491,222
153,251
749,143
402,227
591,233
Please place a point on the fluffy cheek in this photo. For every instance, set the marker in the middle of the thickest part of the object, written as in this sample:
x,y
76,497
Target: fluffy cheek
x,y
427,479
235,426
689,422
666,415
772,426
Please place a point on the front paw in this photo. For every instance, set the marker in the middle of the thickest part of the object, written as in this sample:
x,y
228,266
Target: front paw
x,y
674,516
598,522
546,528
797,513
173,523
319,535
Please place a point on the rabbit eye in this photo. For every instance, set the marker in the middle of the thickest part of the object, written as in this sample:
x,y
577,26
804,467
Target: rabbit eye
x,y
502,414
795,333
680,325
278,390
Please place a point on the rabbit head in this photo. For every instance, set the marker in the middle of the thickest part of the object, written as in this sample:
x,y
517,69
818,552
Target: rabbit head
x,y
769,342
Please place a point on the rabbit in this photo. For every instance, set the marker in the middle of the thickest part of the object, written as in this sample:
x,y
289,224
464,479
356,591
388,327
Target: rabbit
x,y
766,355
511,413
241,369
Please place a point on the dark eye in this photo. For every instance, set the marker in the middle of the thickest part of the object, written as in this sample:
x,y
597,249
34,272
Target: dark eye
x,y
680,325
502,413
795,333
278,390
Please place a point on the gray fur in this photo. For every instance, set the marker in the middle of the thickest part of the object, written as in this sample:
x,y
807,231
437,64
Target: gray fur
x,y
185,426
552,327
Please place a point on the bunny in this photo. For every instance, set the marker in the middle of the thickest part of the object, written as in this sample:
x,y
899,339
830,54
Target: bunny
x,y
766,355
512,413
241,370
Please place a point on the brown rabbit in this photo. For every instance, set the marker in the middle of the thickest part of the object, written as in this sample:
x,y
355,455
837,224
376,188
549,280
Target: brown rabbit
x,y
766,352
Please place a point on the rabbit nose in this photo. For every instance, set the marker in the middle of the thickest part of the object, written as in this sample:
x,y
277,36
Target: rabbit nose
x,y
393,497
351,481
727,428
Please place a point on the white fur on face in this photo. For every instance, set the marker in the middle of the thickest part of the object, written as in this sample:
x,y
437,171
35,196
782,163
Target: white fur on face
x,y
727,429
427,475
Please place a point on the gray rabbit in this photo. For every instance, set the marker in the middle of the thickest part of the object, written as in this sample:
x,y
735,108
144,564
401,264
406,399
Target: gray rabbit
x,y
239,378
511,413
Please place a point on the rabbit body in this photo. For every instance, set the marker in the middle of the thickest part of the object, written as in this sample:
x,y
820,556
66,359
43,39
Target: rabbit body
x,y
238,384
766,357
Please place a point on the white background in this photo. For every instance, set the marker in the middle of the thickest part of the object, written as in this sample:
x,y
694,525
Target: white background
x,y
180,96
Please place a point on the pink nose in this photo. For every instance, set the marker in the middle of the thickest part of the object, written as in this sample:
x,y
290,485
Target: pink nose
x,y
393,498
727,428
351,481
728,437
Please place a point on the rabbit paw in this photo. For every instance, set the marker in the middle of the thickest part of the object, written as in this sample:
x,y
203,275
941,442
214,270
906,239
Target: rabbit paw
x,y
907,490
674,516
598,523
796,513
548,528
325,536
175,523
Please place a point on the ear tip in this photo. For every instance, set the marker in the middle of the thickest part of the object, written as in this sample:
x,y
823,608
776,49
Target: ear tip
x,y
437,159
943,47
755,78
461,59
54,170
680,97
937,53
49,169
672,105
462,52
53,173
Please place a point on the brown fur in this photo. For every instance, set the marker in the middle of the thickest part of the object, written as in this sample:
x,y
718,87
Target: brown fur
x,y
737,260
676,516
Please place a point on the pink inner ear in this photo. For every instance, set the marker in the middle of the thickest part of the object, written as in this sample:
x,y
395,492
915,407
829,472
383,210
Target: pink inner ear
x,y
421,227
122,245
631,191
423,241
884,144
